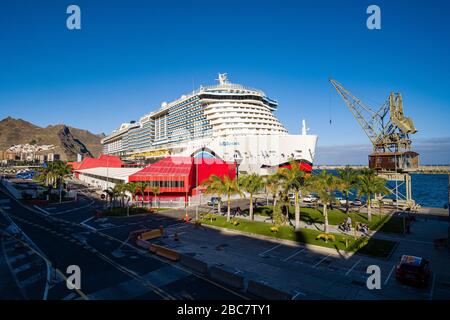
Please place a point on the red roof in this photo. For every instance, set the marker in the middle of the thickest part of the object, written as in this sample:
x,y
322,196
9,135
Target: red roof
x,y
102,161
74,165
170,166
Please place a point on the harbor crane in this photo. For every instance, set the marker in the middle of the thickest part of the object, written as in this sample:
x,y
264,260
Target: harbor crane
x,y
389,131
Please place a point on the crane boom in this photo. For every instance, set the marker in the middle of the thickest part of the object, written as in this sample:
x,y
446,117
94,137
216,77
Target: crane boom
x,y
387,128
363,114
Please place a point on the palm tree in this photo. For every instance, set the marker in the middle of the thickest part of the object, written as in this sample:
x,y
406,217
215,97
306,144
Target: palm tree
x,y
226,186
251,184
156,191
140,188
56,172
370,184
325,184
294,180
349,181
272,186
131,188
119,190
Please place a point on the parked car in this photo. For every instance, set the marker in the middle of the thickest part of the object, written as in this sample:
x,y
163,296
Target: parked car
x,y
309,198
291,196
413,270
213,201
357,202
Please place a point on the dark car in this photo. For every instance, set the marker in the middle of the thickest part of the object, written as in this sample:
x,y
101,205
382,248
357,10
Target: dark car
x,y
413,270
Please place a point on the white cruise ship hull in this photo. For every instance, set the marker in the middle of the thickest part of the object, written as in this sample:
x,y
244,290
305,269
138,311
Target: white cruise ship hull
x,y
259,154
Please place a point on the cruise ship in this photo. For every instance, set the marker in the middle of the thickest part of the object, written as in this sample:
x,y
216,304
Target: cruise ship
x,y
227,121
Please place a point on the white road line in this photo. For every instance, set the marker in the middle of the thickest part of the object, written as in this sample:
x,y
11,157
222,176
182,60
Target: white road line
x,y
321,260
389,275
84,221
353,267
267,251
432,286
297,294
294,254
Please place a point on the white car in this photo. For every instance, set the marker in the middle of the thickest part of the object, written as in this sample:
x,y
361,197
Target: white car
x,y
309,199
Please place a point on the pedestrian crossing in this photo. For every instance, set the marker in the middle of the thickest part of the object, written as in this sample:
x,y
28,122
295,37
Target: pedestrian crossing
x,y
28,269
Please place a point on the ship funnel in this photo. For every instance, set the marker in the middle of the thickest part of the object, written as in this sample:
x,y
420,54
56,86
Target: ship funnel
x,y
304,128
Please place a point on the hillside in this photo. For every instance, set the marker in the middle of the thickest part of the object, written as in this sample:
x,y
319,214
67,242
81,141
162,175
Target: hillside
x,y
70,141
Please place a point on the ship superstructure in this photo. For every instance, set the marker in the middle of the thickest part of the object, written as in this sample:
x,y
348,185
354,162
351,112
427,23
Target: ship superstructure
x,y
228,121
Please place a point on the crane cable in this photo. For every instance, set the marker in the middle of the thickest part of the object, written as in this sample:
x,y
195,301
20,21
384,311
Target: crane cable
x,y
329,106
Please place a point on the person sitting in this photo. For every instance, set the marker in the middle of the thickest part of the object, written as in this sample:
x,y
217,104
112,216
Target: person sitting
x,y
364,228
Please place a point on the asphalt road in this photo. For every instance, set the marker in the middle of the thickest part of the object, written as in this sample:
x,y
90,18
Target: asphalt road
x,y
110,269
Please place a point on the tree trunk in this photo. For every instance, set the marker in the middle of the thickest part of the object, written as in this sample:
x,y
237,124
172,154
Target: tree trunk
x,y
229,209
369,212
346,202
251,207
288,220
325,218
297,212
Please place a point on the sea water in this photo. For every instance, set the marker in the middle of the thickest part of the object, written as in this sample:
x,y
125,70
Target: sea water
x,y
428,190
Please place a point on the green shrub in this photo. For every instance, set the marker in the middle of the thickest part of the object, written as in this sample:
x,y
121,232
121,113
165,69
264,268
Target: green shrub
x,y
326,237
274,229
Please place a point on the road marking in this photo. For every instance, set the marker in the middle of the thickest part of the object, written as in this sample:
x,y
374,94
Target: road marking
x,y
294,254
297,294
321,260
267,251
389,275
353,267
432,286
83,223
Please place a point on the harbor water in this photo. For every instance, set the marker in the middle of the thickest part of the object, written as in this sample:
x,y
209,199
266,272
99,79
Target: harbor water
x,y
428,190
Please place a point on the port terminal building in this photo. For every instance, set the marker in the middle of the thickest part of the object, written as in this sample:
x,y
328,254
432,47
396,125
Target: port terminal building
x,y
178,178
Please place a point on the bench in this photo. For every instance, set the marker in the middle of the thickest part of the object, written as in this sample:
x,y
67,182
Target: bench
x,y
148,235
165,252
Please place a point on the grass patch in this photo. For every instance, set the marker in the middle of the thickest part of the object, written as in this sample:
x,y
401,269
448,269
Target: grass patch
x,y
336,217
375,247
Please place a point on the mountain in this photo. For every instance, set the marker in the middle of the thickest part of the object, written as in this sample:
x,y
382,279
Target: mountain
x,y
69,141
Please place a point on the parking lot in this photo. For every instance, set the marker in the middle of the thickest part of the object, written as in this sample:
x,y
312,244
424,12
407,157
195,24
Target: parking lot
x,y
304,272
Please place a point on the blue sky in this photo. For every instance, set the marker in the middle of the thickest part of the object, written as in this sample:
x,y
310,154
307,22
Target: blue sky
x,y
131,55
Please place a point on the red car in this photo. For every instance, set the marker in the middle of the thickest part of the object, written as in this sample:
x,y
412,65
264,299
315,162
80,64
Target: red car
x,y
413,270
